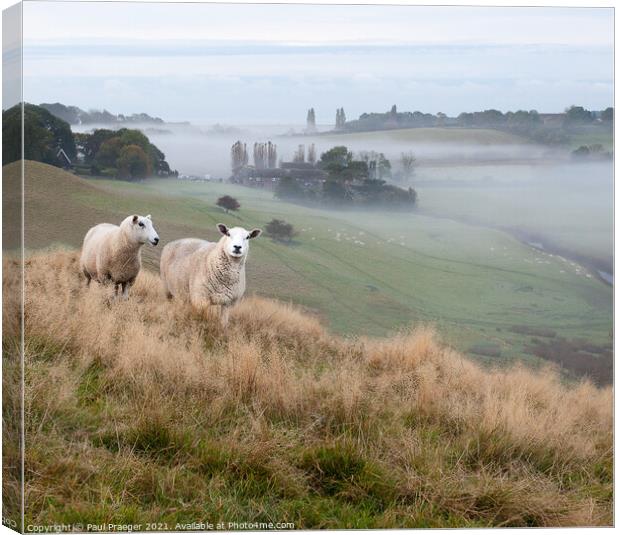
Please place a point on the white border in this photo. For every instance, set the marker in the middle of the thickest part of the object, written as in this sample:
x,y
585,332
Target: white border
x,y
482,3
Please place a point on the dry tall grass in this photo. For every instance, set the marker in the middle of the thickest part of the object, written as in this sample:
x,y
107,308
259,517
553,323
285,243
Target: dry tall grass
x,y
137,410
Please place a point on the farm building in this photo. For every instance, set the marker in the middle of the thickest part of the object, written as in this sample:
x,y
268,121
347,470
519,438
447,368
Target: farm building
x,y
552,119
307,174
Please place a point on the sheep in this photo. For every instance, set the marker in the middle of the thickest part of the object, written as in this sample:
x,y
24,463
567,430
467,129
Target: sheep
x,y
111,253
208,275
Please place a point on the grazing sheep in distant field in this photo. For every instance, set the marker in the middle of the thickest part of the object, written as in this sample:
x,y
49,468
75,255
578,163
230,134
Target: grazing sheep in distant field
x,y
111,253
209,275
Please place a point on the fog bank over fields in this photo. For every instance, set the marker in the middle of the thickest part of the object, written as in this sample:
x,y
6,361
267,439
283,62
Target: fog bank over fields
x,y
479,176
205,149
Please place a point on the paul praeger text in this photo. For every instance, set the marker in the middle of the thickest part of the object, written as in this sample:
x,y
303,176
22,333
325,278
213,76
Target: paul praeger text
x,y
114,527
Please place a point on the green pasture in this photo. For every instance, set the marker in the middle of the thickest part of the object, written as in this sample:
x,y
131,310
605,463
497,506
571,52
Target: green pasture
x,y
569,205
363,273
374,273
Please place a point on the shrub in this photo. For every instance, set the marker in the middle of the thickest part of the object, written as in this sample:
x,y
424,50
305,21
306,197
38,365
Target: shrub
x,y
280,230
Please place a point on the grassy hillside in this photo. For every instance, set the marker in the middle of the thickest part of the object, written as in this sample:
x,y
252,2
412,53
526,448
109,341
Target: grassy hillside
x,y
137,411
465,136
590,135
481,289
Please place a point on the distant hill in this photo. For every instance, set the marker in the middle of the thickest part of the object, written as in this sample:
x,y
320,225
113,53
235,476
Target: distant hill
x,y
544,128
74,115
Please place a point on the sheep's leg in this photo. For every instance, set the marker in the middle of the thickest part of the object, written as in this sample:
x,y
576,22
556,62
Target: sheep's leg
x,y
200,307
126,285
167,292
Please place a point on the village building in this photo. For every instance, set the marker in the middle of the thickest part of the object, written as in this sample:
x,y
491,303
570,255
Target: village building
x,y
552,119
306,174
64,160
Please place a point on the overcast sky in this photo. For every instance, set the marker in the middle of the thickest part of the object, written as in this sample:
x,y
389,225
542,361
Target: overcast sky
x,y
252,64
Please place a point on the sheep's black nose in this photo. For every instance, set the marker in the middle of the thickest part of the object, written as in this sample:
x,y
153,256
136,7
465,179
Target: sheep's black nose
x,y
237,248
156,241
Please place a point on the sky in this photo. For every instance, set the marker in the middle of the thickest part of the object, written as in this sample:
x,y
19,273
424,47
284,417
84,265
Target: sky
x,y
267,64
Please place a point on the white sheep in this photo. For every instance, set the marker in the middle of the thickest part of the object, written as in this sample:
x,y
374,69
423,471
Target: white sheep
x,y
209,275
111,253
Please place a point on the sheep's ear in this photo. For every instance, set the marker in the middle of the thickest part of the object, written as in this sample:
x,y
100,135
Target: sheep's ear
x,y
148,216
255,233
135,219
223,229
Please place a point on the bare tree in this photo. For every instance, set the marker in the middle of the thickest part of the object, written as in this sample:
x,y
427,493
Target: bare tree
x,y
300,154
379,167
312,154
238,156
408,162
311,121
260,156
272,155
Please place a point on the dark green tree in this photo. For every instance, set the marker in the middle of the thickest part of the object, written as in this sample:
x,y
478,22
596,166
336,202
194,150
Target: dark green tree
x,y
44,136
339,156
228,203
133,163
109,152
103,148
578,115
91,144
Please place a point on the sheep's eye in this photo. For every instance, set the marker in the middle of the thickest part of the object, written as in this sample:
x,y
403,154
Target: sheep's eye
x,y
247,237
141,224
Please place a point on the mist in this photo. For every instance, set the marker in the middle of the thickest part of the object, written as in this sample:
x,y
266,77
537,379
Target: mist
x,y
538,193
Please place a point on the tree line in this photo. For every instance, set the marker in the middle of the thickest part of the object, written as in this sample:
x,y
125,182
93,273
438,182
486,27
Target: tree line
x,y
350,181
529,123
75,115
125,154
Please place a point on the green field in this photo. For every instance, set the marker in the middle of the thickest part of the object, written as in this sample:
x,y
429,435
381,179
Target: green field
x,y
382,273
565,204
585,135
592,135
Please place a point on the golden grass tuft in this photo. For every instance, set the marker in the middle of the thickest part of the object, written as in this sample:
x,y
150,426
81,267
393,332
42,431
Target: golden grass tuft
x,y
274,417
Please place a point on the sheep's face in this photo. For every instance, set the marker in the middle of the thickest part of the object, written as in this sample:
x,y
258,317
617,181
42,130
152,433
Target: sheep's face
x,y
237,240
143,231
